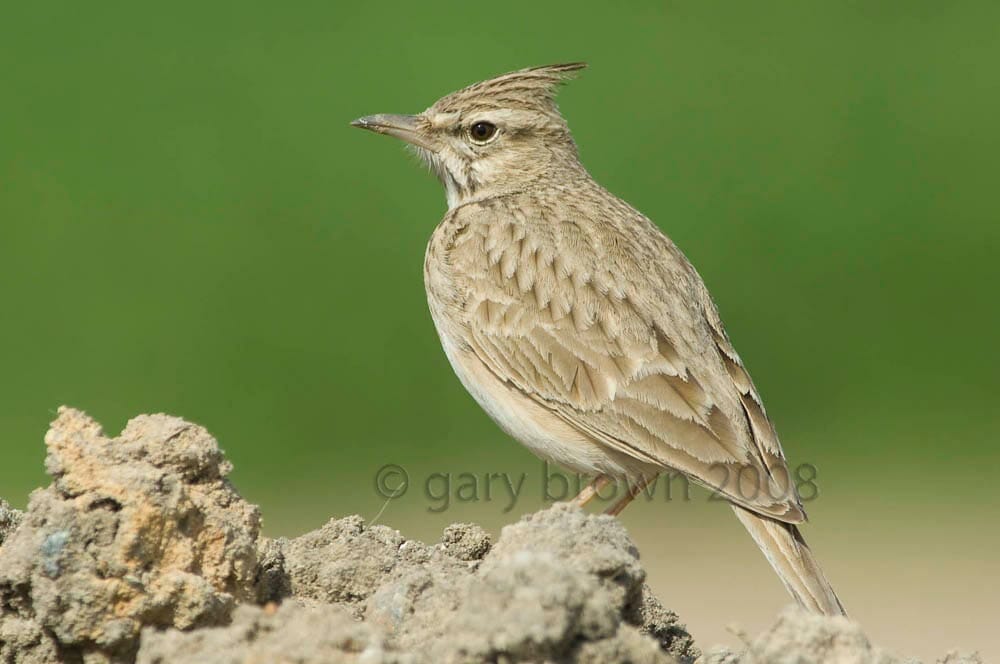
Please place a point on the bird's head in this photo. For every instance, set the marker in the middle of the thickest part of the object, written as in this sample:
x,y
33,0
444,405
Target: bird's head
x,y
495,137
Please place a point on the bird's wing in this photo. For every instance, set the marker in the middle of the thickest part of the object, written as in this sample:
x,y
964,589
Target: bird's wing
x,y
616,334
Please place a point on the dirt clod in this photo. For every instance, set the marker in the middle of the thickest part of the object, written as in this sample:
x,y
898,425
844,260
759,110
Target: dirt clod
x,y
294,633
141,550
9,519
798,637
138,530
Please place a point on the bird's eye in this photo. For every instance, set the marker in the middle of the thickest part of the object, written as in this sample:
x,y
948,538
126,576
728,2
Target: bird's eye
x,y
482,132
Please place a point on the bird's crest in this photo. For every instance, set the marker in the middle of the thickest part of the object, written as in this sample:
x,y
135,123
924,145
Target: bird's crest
x,y
531,89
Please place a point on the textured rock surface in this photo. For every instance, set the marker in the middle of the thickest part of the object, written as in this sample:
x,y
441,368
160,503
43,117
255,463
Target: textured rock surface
x,y
535,595
138,530
798,637
292,633
9,520
140,550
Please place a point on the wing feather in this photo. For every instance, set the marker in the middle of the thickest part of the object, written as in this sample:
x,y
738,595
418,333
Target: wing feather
x,y
618,337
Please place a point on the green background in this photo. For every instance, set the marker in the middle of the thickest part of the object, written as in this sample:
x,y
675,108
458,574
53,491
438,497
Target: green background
x,y
189,225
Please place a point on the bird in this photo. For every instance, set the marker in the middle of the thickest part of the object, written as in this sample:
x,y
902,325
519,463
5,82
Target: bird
x,y
582,329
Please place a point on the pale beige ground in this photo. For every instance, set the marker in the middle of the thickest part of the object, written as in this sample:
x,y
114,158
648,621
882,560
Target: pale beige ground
x,y
918,589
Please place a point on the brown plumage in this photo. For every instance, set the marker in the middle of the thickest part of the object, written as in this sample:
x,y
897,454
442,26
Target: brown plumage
x,y
581,328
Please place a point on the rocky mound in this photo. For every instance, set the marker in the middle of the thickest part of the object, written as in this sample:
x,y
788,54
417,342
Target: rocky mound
x,y
141,551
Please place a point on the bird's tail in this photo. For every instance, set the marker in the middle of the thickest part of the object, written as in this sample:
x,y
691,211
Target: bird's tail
x,y
791,558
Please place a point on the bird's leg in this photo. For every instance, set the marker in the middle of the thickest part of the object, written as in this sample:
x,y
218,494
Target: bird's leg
x,y
592,490
633,491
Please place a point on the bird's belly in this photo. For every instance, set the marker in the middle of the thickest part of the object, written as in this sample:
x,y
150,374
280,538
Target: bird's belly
x,y
531,424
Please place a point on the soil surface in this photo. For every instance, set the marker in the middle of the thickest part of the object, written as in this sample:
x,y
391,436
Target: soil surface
x,y
140,550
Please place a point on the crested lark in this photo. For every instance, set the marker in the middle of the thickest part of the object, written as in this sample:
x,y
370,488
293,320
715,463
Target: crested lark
x,y
582,329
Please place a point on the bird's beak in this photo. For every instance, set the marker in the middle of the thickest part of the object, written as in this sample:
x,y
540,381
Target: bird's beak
x,y
405,127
